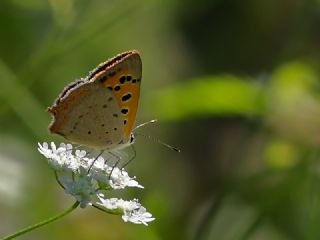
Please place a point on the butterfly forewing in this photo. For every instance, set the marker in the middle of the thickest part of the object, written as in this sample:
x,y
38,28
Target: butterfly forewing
x,y
124,79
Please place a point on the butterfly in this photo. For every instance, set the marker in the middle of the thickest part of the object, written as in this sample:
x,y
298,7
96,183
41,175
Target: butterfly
x,y
99,111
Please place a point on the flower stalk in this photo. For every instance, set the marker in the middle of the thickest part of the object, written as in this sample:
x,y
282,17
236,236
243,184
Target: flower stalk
x,y
42,223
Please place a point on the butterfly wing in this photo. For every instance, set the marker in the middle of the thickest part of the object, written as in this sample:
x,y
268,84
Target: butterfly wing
x,y
90,116
100,110
124,79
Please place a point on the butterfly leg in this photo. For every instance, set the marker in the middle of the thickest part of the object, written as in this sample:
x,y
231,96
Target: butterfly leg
x,y
116,164
132,157
101,152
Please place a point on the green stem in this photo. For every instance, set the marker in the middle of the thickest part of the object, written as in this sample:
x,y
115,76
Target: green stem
x,y
40,224
115,211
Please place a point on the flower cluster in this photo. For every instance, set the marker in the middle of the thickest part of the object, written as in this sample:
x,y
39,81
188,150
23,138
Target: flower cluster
x,y
86,178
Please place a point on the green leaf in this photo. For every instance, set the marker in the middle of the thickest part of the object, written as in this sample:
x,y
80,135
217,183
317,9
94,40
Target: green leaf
x,y
213,95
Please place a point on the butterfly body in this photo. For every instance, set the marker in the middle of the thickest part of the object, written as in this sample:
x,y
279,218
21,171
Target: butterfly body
x,y
99,111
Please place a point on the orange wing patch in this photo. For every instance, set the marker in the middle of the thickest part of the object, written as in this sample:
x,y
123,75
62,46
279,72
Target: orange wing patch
x,y
126,88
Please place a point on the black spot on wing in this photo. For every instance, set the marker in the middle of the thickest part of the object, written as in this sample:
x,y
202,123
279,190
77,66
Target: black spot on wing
x,y
124,110
126,97
129,78
122,79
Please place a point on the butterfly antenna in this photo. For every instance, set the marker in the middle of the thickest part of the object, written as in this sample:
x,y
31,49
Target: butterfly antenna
x,y
158,141
145,123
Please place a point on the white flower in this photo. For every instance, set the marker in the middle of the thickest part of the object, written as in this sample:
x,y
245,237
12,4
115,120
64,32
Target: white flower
x,y
82,188
85,178
132,211
82,176
138,216
120,179
60,158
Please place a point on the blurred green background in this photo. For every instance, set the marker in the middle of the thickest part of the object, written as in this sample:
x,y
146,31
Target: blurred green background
x,y
234,85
